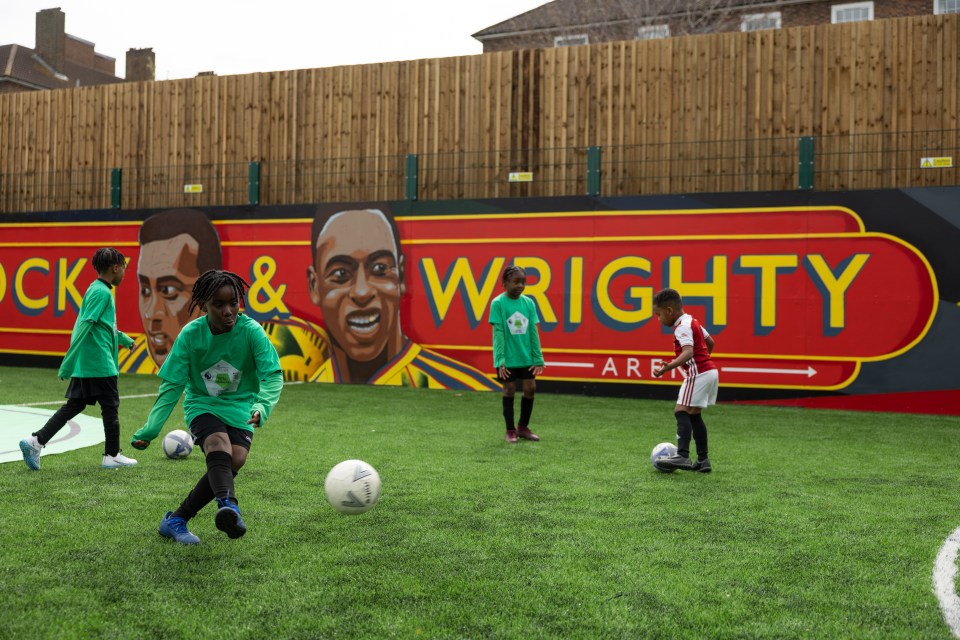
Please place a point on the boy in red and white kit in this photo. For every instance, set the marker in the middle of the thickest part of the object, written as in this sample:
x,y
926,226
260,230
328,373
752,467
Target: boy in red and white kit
x,y
692,346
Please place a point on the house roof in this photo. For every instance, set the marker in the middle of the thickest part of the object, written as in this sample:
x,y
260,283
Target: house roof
x,y
21,65
561,14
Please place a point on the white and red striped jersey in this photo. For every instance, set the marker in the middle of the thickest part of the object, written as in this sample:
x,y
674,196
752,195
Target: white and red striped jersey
x,y
688,331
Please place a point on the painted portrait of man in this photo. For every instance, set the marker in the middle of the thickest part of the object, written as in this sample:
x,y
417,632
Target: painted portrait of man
x,y
176,246
357,279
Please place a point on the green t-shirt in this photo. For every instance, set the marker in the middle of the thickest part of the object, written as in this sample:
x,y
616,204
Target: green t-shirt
x,y
95,340
222,373
517,321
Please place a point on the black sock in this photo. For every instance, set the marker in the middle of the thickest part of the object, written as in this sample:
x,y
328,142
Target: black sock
x,y
508,412
526,409
699,435
684,429
111,430
201,496
67,412
220,473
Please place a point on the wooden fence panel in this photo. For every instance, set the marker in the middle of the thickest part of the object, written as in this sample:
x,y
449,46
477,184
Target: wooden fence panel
x,y
682,114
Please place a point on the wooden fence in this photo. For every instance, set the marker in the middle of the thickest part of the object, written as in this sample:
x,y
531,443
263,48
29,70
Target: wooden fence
x,y
655,107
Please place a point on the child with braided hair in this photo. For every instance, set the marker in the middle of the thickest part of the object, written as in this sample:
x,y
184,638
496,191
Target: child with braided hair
x,y
232,377
516,350
91,365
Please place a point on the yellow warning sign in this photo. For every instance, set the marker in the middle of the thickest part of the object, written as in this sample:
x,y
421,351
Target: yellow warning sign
x,y
521,176
941,162
193,188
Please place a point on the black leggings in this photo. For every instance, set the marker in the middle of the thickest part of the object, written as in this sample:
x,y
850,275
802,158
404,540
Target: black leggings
x,y
70,410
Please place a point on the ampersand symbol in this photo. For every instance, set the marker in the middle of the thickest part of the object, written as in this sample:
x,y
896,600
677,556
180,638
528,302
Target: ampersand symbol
x,y
263,269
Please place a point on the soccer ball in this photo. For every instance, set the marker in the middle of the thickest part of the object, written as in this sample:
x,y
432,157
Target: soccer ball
x,y
177,444
353,486
664,449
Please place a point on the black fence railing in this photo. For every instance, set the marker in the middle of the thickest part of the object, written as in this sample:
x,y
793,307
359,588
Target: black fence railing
x,y
828,163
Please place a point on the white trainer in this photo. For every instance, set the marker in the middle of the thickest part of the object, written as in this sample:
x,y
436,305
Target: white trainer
x,y
117,461
30,448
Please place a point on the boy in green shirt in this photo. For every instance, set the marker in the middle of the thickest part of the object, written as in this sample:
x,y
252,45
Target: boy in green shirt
x,y
231,373
516,350
91,365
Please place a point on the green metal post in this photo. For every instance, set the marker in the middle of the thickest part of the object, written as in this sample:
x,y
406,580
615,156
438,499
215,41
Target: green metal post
x,y
253,183
410,185
593,171
116,187
805,164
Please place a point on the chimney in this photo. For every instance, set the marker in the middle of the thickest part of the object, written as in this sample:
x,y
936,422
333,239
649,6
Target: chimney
x,y
51,40
141,65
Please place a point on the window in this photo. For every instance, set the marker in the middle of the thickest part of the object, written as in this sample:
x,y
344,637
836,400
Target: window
x,y
853,12
760,21
946,6
571,41
656,31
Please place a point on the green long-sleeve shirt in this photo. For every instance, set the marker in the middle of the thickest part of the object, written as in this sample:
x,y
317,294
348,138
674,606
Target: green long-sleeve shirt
x,y
95,340
516,341
230,375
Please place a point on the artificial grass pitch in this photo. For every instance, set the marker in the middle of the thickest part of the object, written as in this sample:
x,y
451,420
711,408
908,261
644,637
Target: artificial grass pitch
x,y
813,524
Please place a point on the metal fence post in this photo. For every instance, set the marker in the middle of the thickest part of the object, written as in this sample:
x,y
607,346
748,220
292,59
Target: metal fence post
x,y
593,171
116,187
805,163
253,183
410,183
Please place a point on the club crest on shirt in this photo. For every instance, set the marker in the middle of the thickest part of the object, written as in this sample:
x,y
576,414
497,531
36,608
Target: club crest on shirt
x,y
518,324
221,378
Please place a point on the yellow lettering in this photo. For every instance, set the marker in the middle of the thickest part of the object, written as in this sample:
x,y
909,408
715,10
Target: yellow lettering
x,y
765,297
538,290
712,293
574,292
833,287
30,306
66,276
440,293
610,314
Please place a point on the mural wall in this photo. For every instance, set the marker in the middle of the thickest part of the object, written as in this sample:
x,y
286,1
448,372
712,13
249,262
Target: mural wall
x,y
819,296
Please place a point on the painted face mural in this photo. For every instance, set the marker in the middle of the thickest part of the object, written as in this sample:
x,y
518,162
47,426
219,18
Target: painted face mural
x,y
167,270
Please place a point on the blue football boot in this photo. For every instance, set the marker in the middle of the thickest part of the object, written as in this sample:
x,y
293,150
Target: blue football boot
x,y
176,529
228,518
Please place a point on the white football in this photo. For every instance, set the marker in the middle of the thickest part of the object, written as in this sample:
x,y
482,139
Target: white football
x,y
664,449
177,444
353,486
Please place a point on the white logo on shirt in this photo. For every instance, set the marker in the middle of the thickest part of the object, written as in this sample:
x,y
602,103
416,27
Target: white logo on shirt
x,y
221,378
517,323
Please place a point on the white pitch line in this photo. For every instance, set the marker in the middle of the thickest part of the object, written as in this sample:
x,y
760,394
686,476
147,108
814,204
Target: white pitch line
x,y
40,404
944,577
141,395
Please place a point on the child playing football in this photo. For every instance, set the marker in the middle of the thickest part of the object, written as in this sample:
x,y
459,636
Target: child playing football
x,y
232,377
692,346
91,365
516,350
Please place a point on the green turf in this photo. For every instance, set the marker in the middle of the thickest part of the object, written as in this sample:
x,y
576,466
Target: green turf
x,y
814,524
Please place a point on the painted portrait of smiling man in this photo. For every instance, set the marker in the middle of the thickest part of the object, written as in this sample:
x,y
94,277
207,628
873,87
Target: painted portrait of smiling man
x,y
357,279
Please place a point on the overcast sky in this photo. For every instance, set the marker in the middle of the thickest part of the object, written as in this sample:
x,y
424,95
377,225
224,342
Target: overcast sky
x,y
245,36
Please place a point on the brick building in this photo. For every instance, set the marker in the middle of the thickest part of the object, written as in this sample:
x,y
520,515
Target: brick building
x,y
574,22
60,60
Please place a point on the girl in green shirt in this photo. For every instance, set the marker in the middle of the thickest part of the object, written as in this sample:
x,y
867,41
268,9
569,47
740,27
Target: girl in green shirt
x,y
516,350
232,377
91,365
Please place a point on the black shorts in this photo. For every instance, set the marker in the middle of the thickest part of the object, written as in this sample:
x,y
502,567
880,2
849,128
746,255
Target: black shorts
x,y
517,373
207,423
94,390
